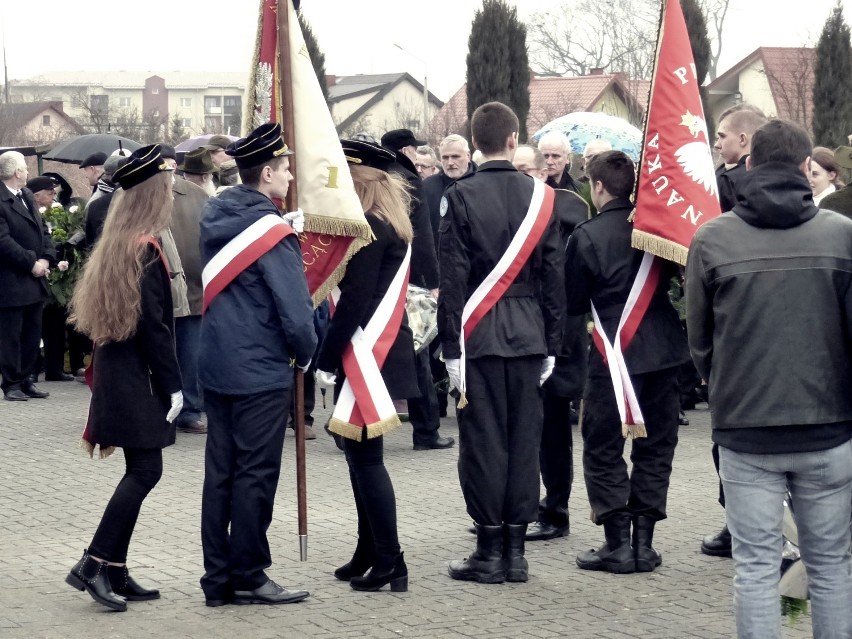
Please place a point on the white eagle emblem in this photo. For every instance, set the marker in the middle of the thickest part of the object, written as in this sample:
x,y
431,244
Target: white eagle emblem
x,y
697,163
444,206
262,94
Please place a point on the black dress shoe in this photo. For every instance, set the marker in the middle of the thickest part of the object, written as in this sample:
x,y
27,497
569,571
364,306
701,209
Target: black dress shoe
x,y
542,530
440,442
15,395
269,593
61,377
31,390
91,575
126,586
682,419
718,545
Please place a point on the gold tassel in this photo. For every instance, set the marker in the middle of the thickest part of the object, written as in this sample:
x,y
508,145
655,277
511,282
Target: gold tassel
x,y
639,431
88,447
106,452
625,430
462,401
667,249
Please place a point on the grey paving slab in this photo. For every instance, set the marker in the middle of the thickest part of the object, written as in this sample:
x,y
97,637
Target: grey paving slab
x,y
52,496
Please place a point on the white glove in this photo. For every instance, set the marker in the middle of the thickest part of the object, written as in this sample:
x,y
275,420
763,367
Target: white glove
x,y
296,219
177,405
547,365
304,368
62,266
454,371
326,380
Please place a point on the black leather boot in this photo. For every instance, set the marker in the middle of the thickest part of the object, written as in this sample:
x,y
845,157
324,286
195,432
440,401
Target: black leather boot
x,y
486,565
718,545
643,535
126,586
517,568
362,560
615,555
386,570
91,575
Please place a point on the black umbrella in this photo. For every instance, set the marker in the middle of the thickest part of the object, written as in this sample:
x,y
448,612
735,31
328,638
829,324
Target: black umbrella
x,y
79,148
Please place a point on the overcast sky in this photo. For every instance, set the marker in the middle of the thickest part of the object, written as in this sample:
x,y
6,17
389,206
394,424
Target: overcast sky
x,y
357,36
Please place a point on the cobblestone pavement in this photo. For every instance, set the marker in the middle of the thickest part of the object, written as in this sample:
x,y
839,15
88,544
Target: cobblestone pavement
x,y
52,496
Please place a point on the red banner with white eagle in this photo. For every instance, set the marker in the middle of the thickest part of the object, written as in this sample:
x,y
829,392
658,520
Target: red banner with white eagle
x,y
335,227
676,190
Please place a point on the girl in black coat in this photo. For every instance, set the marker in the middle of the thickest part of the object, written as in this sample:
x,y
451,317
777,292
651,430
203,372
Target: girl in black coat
x,y
123,303
368,278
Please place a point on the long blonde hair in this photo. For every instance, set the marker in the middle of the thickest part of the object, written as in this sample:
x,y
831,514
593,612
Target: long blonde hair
x,y
107,301
385,195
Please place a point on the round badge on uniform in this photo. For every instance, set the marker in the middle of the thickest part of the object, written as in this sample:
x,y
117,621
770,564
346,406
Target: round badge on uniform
x,y
444,206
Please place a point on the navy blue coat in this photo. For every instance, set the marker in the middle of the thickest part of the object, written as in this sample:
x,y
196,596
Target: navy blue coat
x,y
264,318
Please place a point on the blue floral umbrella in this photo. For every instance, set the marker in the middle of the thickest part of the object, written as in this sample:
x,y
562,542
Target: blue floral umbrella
x,y
584,126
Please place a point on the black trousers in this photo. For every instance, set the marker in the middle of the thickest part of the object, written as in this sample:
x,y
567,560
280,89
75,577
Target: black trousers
x,y
375,500
556,457
245,438
143,469
439,377
20,333
610,488
423,410
500,435
54,332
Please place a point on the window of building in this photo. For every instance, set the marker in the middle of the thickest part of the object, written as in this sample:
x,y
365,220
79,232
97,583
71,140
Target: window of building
x,y
186,123
155,90
212,124
155,113
186,102
99,103
45,120
124,102
212,104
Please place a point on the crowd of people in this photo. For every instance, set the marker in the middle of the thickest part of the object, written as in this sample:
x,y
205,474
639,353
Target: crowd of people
x,y
518,253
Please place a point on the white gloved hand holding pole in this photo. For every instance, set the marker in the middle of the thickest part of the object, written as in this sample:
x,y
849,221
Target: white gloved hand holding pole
x,y
296,219
326,379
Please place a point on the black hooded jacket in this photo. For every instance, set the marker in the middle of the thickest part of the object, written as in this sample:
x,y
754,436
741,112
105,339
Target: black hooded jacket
x,y
769,317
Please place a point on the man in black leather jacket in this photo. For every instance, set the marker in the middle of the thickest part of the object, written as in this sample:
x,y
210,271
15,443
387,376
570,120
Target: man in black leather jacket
x,y
769,317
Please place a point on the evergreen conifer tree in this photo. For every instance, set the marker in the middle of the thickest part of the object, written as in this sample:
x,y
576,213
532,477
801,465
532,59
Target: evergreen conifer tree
x,y
497,65
832,117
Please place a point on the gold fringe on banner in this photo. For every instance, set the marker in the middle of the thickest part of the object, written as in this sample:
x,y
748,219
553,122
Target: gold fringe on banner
x,y
667,249
360,231
462,401
351,431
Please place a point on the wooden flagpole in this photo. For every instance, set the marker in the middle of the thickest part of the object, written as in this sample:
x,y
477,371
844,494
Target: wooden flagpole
x,y
285,102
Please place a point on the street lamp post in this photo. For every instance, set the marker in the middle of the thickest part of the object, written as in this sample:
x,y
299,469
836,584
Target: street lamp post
x,y
425,87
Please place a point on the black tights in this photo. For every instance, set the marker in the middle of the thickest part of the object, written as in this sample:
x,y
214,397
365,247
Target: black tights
x,y
374,497
112,538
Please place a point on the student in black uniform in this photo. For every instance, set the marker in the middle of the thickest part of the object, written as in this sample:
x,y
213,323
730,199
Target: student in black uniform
x,y
600,268
509,353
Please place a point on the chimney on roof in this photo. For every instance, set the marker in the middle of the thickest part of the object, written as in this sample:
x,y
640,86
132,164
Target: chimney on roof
x,y
596,71
330,80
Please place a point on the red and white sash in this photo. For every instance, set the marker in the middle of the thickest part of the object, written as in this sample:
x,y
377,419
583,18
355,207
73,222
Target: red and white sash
x,y
240,253
635,308
497,282
364,400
